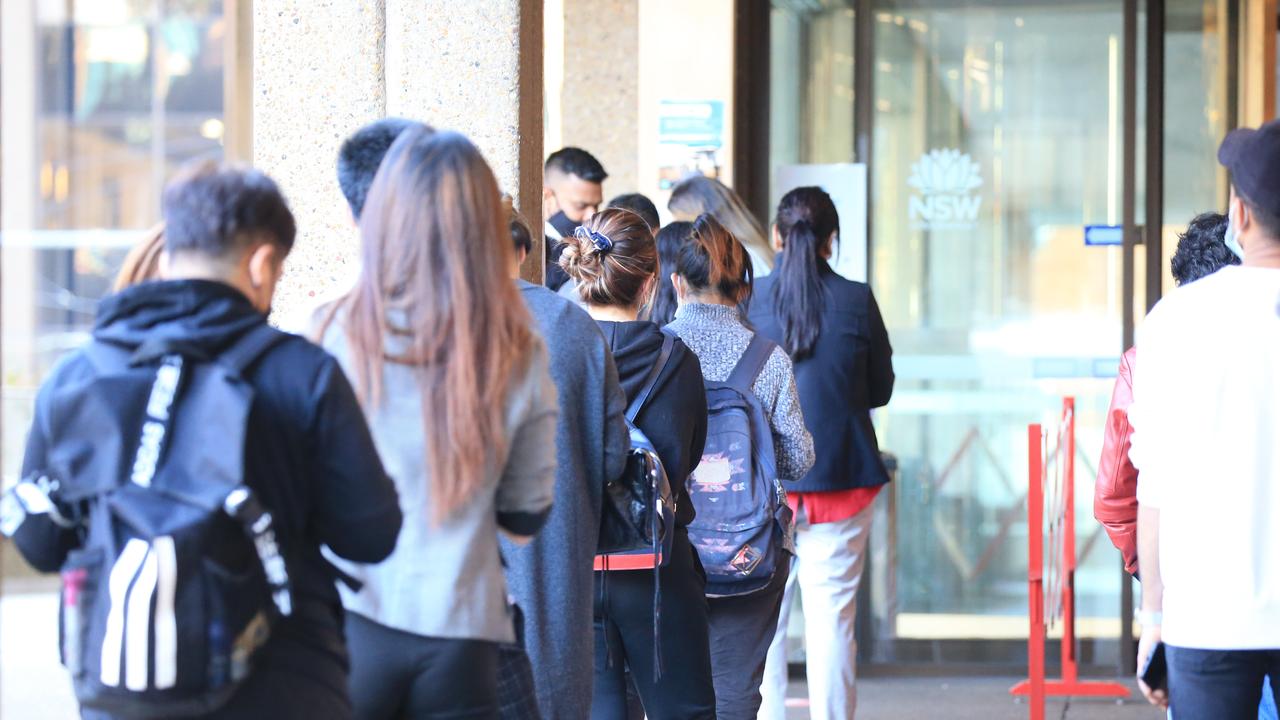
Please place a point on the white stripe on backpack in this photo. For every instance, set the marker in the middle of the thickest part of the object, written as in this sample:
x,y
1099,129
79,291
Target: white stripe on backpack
x,y
166,621
141,574
137,625
122,574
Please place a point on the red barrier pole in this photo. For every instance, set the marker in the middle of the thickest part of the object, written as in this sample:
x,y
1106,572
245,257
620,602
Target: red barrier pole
x,y
1070,671
1036,685
1035,569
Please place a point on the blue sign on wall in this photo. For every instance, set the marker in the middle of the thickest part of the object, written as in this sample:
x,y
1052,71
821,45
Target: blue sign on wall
x,y
1103,235
696,124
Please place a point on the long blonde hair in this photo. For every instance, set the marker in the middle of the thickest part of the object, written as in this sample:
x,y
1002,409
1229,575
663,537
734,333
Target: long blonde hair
x,y
436,254
698,194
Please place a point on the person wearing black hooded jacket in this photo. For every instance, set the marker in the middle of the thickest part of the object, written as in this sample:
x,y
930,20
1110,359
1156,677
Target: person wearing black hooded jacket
x,y
614,259
308,453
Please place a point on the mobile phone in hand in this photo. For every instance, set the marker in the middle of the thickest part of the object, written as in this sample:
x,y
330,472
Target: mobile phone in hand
x,y
1156,673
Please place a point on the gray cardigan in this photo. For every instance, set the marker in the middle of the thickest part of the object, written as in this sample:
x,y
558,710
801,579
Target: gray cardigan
x,y
551,577
717,336
444,578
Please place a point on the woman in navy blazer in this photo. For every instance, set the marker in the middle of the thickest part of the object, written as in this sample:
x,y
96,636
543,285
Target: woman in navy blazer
x,y
843,363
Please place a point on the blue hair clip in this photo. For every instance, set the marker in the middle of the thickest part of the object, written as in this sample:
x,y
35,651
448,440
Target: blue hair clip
x,y
601,241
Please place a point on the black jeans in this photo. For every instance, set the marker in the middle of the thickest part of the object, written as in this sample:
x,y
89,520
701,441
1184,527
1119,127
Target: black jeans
x,y
395,674
1219,684
624,623
742,628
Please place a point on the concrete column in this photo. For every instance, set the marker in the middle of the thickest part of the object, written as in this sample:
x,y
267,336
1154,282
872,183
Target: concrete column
x,y
1257,62
323,69
317,76
476,67
600,94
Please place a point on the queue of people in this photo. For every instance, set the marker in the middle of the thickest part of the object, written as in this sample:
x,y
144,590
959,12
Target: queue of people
x,y
415,528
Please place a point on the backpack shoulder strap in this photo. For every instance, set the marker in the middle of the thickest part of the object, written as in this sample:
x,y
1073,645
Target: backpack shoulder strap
x,y
668,344
751,363
250,347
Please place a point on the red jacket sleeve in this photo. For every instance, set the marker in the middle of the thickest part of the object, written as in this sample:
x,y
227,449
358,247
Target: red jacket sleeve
x,y
1115,501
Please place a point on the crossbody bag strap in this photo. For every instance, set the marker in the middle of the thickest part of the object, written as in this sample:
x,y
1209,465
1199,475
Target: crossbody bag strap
x,y
633,410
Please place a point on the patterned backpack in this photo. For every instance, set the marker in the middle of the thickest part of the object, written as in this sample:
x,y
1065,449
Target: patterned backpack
x,y
742,513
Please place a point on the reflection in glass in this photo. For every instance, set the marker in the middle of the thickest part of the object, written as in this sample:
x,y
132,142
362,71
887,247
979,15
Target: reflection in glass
x,y
995,143
119,94
812,82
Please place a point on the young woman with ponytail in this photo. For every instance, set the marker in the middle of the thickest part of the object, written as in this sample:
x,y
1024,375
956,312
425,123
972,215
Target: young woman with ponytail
x,y
615,263
455,386
833,331
670,238
713,277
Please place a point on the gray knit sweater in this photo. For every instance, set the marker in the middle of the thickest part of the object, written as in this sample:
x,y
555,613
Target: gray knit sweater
x,y
717,336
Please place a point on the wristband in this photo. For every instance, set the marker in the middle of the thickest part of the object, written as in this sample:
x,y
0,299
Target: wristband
x,y
1149,618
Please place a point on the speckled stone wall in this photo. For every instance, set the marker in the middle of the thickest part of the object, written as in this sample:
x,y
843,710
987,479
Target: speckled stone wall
x,y
323,68
600,97
317,76
476,67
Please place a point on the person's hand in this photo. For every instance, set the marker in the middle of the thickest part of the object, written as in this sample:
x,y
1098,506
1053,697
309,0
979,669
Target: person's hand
x,y
1147,646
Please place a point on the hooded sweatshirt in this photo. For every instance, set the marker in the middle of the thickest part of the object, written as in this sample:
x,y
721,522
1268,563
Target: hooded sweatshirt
x,y
308,453
675,416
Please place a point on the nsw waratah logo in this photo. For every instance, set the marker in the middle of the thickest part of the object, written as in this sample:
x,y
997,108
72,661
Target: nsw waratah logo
x,y
947,184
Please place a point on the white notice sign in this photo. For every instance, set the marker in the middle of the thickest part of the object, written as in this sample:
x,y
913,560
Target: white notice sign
x,y
846,183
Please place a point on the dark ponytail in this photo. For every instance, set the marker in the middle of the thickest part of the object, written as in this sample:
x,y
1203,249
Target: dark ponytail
x,y
807,220
714,261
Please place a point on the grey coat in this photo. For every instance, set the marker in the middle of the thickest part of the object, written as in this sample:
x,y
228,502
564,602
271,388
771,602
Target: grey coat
x,y
551,577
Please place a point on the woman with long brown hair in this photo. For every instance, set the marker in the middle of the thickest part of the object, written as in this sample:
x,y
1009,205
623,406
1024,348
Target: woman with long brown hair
x,y
456,389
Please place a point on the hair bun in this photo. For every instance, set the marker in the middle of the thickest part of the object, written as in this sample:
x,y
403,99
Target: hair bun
x,y
579,259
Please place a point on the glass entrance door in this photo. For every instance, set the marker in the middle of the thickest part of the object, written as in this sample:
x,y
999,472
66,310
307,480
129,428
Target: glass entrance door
x,y
997,140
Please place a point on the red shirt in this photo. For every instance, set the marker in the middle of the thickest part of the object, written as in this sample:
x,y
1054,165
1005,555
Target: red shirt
x,y
834,505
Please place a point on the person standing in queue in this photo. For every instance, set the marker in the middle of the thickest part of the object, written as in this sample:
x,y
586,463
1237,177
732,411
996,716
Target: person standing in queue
x,y
712,279
832,329
662,309
551,578
698,194
572,191
615,263
455,385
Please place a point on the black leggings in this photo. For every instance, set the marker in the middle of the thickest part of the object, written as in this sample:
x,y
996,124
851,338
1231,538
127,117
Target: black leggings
x,y
624,621
395,674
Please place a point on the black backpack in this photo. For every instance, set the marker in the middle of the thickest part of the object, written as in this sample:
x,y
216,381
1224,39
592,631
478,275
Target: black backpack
x,y
638,520
637,525
180,578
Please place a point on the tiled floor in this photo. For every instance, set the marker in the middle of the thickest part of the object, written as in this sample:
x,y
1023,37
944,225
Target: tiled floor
x,y
34,687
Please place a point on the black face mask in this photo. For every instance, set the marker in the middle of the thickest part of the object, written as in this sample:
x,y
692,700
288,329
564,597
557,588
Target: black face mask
x,y
563,224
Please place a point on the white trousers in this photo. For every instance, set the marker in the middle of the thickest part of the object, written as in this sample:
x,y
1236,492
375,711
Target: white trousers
x,y
826,572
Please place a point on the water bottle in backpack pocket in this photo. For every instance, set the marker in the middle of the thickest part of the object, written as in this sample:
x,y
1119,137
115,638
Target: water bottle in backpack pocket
x,y
166,625
742,513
